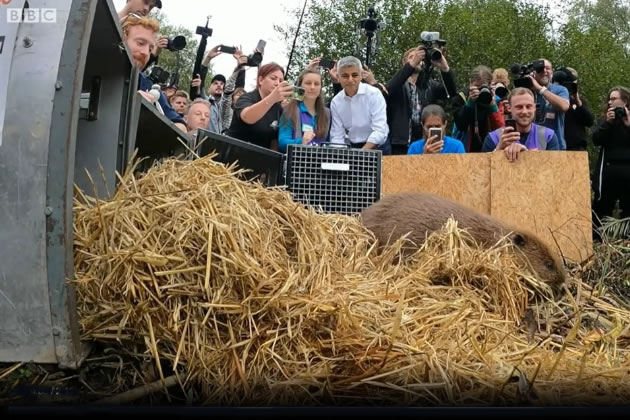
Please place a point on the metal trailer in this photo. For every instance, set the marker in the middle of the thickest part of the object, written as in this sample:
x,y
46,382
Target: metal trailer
x,y
70,105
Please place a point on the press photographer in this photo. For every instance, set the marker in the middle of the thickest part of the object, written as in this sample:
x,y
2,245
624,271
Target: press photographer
x,y
552,99
475,110
579,115
612,173
411,89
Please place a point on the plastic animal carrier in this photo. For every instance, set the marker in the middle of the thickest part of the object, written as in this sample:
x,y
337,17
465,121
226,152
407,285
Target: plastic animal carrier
x,y
334,179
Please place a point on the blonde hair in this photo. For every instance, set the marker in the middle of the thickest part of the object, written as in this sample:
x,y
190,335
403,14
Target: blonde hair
x,y
501,74
198,101
135,20
518,92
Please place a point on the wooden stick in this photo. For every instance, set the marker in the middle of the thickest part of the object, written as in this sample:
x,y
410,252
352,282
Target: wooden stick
x,y
137,393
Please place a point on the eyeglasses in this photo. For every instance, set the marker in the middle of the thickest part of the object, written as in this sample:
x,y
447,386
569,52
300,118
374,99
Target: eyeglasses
x,y
133,15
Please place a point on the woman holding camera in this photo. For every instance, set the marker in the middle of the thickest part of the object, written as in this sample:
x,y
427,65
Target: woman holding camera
x,y
257,113
612,174
306,120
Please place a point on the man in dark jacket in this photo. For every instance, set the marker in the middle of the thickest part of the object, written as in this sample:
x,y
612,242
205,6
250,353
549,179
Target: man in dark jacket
x,y
578,117
409,92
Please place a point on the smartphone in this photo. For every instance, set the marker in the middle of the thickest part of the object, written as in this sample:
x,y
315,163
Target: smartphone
x,y
226,49
435,132
298,93
261,46
327,63
510,123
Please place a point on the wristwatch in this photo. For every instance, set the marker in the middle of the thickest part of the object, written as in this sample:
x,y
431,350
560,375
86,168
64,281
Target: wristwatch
x,y
542,90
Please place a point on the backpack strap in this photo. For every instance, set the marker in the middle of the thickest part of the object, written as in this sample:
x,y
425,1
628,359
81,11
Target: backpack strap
x,y
541,139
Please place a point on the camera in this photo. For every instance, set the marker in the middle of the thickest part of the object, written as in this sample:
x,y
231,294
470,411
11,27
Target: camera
x,y
501,90
565,77
371,24
432,43
620,113
298,93
485,95
177,43
254,59
521,72
158,75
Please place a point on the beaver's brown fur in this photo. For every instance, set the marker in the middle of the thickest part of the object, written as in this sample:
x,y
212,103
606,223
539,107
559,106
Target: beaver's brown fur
x,y
421,214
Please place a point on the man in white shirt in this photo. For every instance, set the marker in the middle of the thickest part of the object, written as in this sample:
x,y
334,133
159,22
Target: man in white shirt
x,y
358,112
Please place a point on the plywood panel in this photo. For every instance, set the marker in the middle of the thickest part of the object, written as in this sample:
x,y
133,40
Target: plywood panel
x,y
463,178
548,193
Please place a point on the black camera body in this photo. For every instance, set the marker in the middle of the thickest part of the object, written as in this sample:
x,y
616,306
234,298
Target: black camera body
x,y
255,58
620,113
521,72
176,43
433,45
158,75
485,95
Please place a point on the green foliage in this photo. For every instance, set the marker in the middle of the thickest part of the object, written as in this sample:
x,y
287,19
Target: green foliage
x,y
168,59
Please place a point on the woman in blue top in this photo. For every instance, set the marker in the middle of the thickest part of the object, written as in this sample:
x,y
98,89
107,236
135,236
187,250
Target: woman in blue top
x,y
306,120
433,116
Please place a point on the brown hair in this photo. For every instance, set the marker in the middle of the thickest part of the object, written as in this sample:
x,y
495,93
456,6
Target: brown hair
x,y
624,94
266,70
292,111
406,54
132,20
181,93
481,74
518,92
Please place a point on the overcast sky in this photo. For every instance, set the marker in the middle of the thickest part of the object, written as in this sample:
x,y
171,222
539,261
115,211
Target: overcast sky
x,y
234,22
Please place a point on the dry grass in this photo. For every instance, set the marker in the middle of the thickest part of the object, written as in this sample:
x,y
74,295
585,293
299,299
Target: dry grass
x,y
258,300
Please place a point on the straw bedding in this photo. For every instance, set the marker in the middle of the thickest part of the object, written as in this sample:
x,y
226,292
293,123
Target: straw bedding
x,y
257,300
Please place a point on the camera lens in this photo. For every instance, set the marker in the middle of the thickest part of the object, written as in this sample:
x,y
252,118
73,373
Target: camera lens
x,y
176,44
485,96
501,91
436,55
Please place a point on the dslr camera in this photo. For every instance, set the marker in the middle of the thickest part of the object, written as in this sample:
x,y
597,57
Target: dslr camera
x,y
565,78
620,113
176,43
433,45
158,75
255,58
521,71
485,95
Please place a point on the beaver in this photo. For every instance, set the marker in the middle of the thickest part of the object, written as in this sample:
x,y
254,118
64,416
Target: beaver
x,y
421,214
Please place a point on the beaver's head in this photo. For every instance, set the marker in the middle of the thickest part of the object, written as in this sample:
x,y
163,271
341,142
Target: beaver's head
x,y
545,263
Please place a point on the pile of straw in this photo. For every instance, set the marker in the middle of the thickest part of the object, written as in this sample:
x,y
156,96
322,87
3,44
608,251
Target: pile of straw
x,y
256,300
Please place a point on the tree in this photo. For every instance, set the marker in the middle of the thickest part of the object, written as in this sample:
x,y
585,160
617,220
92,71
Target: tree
x,y
168,59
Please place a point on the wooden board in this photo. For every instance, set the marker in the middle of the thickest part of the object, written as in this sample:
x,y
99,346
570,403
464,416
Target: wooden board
x,y
463,178
550,194
547,193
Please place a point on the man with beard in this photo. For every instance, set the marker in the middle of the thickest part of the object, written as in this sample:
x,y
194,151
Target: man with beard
x,y
407,96
139,35
553,100
527,135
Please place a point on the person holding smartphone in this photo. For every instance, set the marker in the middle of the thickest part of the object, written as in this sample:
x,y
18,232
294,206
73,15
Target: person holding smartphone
x,y
520,133
257,113
305,120
434,125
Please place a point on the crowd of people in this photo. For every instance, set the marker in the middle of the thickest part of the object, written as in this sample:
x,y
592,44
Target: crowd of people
x,y
402,116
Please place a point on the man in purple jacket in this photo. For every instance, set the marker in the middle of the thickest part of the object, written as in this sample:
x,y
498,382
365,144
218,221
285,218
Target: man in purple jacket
x,y
525,135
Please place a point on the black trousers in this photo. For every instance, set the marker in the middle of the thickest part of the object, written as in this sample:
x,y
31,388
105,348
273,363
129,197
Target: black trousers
x,y
615,186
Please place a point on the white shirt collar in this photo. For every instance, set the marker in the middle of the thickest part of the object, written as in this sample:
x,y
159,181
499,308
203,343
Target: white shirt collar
x,y
361,91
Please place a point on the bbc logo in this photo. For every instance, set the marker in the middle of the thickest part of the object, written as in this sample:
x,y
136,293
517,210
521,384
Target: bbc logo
x,y
15,15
